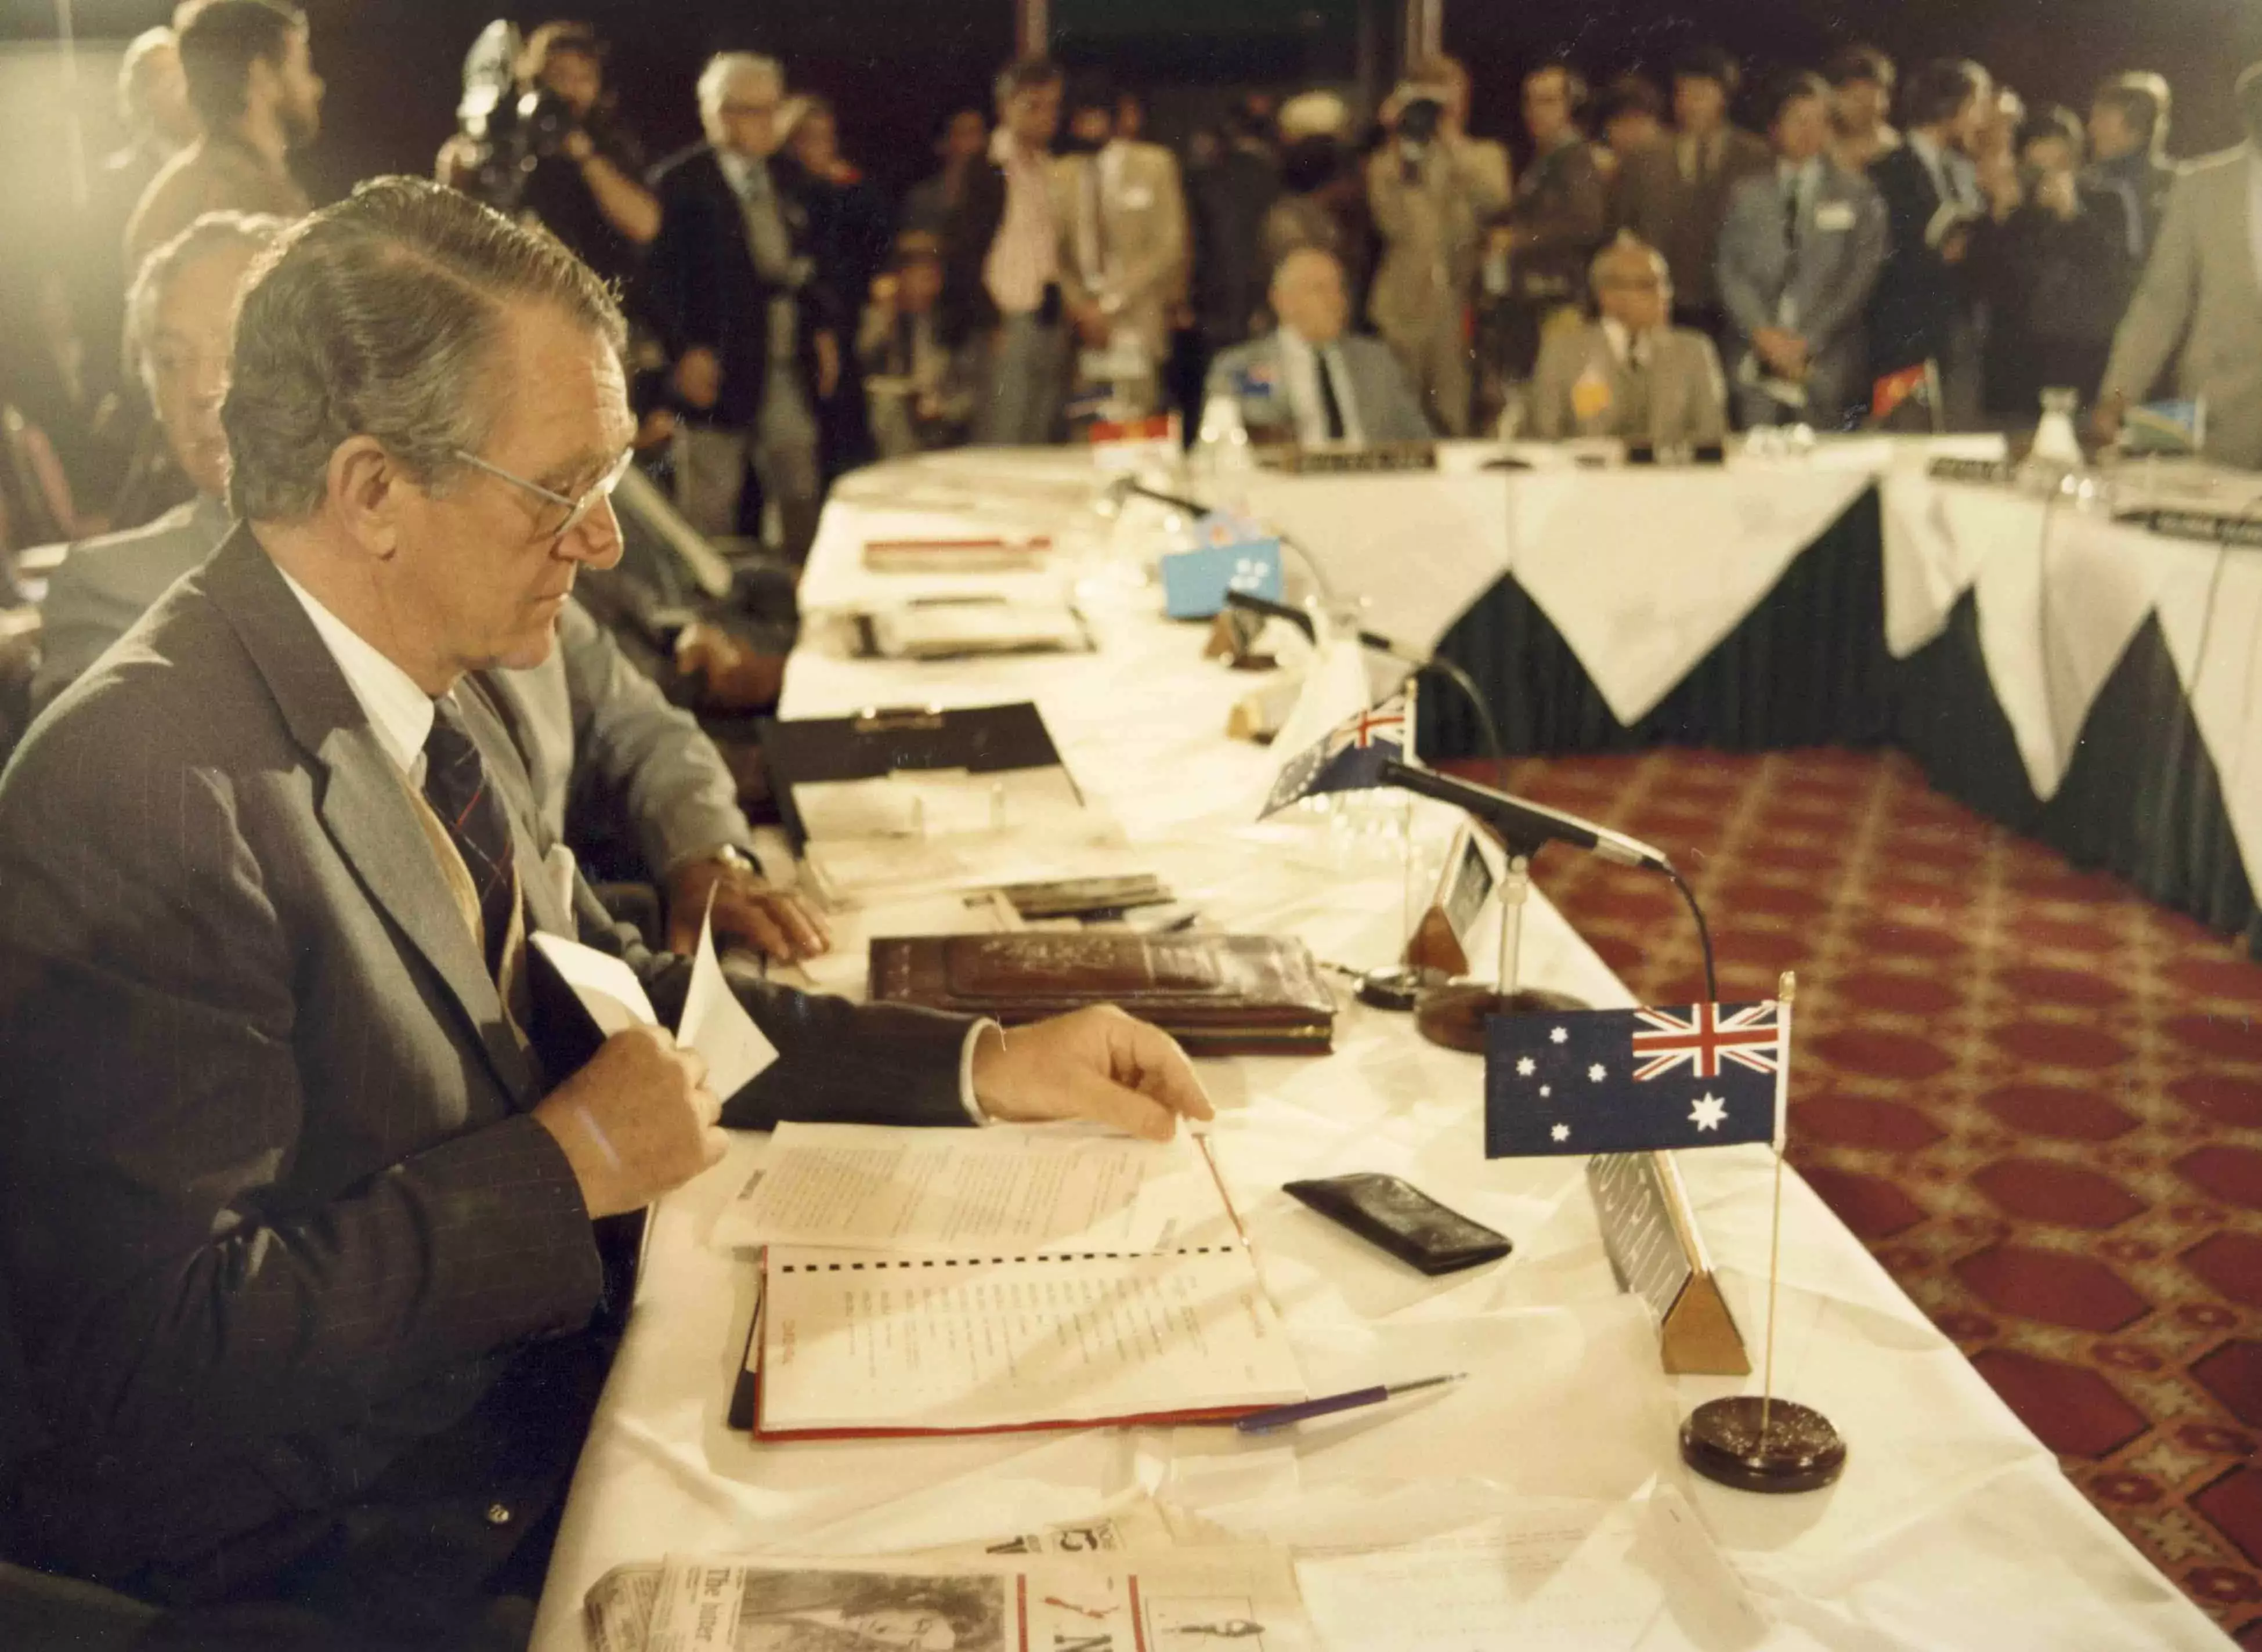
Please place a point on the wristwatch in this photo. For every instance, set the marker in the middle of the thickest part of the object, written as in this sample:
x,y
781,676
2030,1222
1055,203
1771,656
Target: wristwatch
x,y
731,855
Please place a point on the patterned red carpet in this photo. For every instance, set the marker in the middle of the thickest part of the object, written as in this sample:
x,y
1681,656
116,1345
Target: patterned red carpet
x,y
2033,1094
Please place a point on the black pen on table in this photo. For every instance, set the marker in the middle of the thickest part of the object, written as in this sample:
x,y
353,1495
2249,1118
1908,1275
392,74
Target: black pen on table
x,y
1283,1416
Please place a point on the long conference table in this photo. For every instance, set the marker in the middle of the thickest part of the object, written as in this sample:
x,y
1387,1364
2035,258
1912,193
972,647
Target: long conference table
x,y
1951,1526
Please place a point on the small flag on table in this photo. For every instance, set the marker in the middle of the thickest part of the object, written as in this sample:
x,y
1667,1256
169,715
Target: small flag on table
x,y
1631,1081
1350,758
2165,427
1917,386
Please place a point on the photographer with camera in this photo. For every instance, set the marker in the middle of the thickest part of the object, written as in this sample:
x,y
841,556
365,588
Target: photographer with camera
x,y
559,155
1432,189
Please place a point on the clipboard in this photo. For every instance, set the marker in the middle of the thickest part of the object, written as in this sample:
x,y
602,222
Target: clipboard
x,y
878,741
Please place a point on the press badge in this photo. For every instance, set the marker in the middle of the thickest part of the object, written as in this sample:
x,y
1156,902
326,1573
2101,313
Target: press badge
x,y
1834,215
1590,395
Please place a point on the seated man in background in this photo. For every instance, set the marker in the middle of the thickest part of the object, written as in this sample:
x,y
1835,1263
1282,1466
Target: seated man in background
x,y
918,390
1308,381
304,1241
583,707
1631,373
1799,253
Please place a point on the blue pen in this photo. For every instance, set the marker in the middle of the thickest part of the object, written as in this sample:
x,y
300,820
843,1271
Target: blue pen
x,y
1283,1416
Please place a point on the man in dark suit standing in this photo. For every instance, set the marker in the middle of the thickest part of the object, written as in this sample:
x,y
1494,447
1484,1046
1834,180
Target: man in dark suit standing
x,y
1001,276
754,334
1941,231
2128,137
1674,196
307,1244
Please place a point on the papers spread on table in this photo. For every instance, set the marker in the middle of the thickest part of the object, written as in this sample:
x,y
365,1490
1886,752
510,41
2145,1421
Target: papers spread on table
x,y
1043,1602
925,802
966,1193
964,628
714,1023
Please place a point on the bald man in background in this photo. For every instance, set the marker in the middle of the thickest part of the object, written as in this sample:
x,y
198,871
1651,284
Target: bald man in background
x,y
1631,373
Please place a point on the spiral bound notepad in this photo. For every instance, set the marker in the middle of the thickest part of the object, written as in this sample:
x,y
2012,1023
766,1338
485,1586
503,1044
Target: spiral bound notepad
x,y
857,1343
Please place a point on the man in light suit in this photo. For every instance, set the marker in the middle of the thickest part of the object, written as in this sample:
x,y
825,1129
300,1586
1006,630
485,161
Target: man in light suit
x,y
1631,374
2200,302
1125,255
1309,381
583,712
1799,252
307,1244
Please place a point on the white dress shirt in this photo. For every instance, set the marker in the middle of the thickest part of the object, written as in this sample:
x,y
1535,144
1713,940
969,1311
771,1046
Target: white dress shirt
x,y
1299,369
1024,258
1624,344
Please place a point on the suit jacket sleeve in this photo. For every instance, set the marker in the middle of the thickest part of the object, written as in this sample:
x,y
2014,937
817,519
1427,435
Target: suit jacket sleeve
x,y
2161,312
1570,219
679,303
838,1063
1842,305
1550,390
965,307
1748,306
1708,418
1398,417
680,793
147,1003
79,617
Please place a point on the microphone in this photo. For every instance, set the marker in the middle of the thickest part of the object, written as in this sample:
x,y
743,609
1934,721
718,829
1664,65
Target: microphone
x,y
1302,621
1526,825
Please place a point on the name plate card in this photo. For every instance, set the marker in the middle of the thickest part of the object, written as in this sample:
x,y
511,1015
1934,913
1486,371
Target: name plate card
x,y
1370,459
1440,940
1986,472
1650,1233
2208,527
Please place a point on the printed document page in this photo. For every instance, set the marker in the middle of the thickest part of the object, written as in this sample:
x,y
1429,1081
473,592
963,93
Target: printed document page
x,y
852,1341
1006,1190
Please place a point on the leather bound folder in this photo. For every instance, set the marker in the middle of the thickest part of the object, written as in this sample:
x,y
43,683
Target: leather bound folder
x,y
1218,995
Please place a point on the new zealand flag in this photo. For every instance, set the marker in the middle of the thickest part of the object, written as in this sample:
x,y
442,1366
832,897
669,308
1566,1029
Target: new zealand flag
x,y
1350,758
1628,1081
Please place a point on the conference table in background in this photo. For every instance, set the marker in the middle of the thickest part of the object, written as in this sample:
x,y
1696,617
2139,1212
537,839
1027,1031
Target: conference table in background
x,y
1951,1527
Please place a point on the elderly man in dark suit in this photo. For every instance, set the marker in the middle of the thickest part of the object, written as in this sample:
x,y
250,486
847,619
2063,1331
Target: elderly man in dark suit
x,y
308,1247
1309,380
1798,254
753,334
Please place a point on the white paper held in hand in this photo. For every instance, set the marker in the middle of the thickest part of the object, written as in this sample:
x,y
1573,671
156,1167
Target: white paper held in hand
x,y
715,1025
607,988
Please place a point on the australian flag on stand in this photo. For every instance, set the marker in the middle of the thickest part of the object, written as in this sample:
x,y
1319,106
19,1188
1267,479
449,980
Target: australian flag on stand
x,y
1628,1081
1350,758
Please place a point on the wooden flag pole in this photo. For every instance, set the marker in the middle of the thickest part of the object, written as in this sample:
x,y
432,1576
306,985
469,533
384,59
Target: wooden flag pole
x,y
1786,990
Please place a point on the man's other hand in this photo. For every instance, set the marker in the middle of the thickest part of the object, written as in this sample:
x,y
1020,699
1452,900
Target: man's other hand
x,y
1094,1064
746,909
637,1121
699,377
734,676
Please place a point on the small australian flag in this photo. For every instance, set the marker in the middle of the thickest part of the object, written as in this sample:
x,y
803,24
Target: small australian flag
x,y
1630,1081
1349,758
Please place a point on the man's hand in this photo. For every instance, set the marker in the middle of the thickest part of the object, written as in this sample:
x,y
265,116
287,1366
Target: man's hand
x,y
828,365
2057,195
578,145
2105,419
1782,350
746,909
737,677
1954,244
636,1122
1095,1063
1091,324
699,377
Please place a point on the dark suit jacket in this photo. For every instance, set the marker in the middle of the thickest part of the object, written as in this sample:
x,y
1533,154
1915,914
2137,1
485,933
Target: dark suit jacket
x,y
1920,297
1561,214
966,310
294,1272
700,286
1682,219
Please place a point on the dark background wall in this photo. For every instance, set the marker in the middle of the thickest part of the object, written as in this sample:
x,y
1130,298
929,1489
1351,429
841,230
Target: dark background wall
x,y
896,68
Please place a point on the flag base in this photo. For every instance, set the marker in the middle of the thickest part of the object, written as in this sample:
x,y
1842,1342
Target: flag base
x,y
1455,1016
1801,1452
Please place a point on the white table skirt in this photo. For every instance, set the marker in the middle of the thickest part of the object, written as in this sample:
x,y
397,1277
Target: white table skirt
x,y
1952,1526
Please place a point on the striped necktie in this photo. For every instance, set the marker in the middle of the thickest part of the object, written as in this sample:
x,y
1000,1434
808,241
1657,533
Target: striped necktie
x,y
455,785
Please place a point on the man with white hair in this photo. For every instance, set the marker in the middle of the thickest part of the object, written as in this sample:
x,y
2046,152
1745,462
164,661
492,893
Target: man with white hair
x,y
753,334
1631,373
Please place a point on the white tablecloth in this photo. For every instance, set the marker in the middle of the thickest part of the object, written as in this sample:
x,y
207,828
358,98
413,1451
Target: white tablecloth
x,y
1952,1526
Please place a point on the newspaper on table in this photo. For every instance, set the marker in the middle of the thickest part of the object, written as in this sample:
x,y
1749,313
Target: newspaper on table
x,y
1156,1600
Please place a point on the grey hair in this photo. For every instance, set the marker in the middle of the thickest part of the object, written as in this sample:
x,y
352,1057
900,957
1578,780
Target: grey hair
x,y
725,66
252,232
375,317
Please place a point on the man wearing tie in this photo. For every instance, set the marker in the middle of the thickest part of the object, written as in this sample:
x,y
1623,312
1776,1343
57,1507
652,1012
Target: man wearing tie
x,y
754,334
1125,258
1308,381
1925,306
307,1244
1631,374
1799,252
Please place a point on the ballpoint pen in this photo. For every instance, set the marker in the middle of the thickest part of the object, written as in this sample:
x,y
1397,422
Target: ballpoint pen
x,y
1283,1416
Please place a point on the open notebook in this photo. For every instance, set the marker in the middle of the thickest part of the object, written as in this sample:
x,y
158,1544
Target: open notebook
x,y
948,1283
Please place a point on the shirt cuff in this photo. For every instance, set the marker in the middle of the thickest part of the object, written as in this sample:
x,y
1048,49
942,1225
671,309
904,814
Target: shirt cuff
x,y
966,1098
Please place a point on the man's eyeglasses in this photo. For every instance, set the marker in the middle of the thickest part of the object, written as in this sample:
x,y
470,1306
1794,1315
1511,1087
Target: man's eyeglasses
x,y
576,510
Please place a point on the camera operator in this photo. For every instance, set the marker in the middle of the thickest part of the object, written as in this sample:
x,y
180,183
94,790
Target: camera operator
x,y
1432,189
578,169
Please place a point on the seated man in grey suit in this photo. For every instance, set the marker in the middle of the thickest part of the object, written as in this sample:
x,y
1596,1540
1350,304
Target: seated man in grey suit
x,y
1799,253
584,708
1631,373
2198,305
1308,381
307,1243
